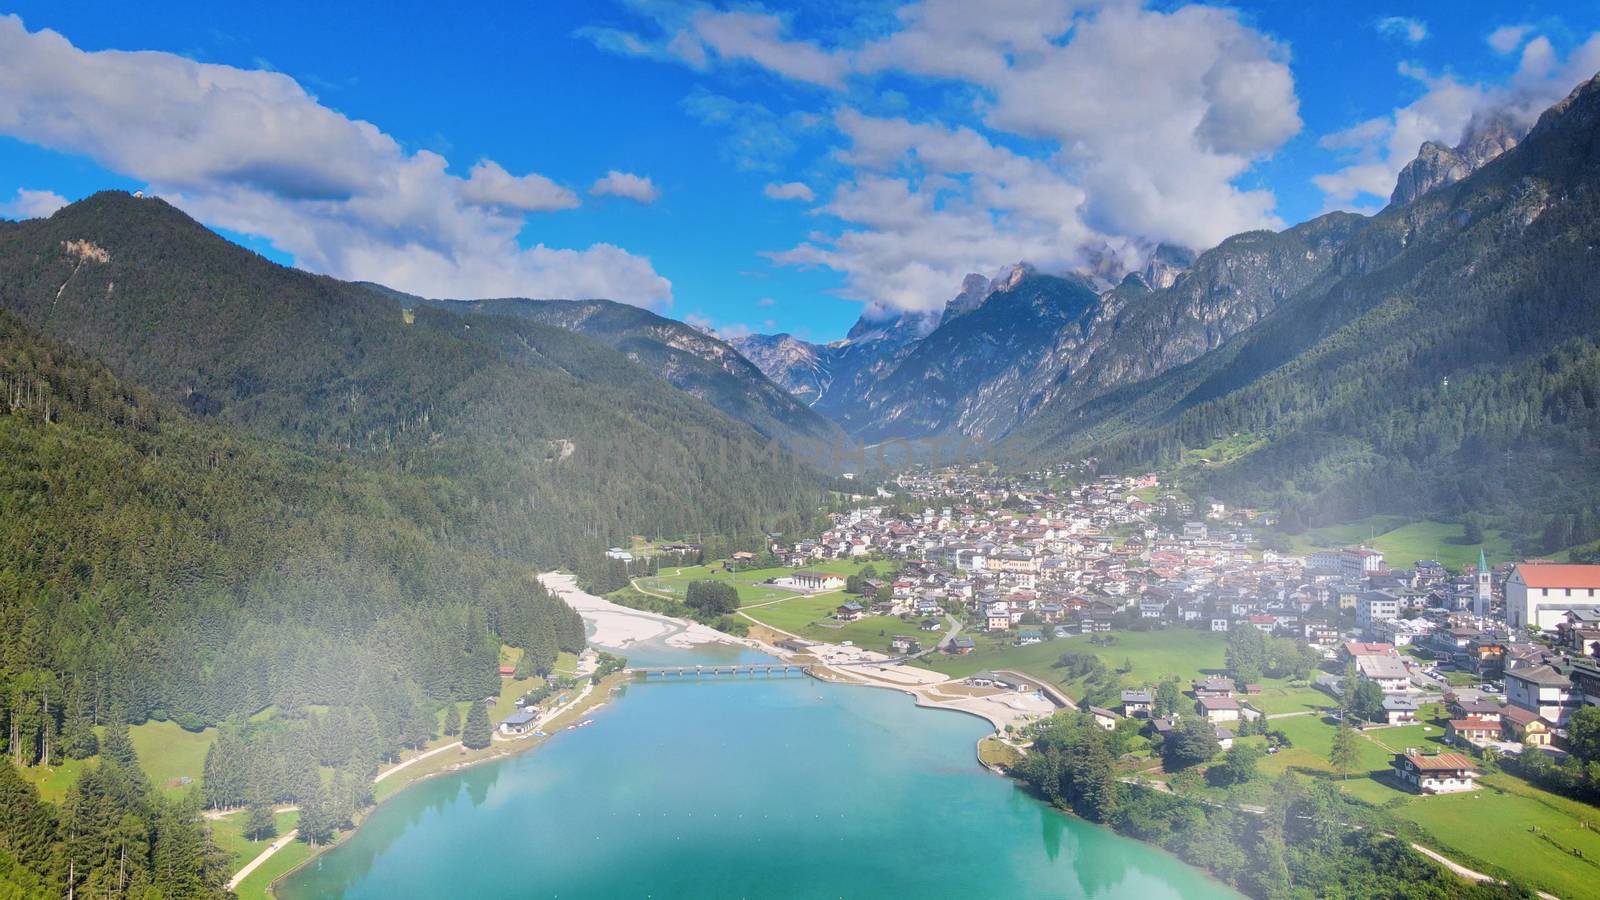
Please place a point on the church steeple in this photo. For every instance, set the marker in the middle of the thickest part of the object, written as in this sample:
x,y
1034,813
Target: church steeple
x,y
1485,589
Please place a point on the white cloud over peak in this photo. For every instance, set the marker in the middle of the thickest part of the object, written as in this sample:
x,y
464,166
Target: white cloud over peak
x,y
30,204
1507,38
627,185
1077,131
1375,150
1405,28
253,152
792,190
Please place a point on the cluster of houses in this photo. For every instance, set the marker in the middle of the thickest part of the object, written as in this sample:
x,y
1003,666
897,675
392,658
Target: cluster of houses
x,y
1028,562
1215,699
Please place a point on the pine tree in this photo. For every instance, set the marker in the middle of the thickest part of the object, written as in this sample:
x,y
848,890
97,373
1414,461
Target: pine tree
x,y
1344,754
476,734
452,719
259,822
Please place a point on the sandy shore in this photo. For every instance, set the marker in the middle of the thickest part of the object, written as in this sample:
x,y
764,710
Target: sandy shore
x,y
617,626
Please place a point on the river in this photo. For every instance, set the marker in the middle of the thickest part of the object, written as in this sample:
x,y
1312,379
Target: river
x,y
782,787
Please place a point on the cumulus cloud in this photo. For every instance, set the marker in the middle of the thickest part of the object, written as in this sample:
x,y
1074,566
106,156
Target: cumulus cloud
x,y
695,34
251,151
1373,152
488,184
1507,38
1138,123
30,204
790,190
625,184
1405,28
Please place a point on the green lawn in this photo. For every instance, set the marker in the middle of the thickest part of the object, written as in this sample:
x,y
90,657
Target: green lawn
x,y
169,754
227,832
1176,651
255,887
1488,828
1494,824
53,782
1403,542
1288,700
674,582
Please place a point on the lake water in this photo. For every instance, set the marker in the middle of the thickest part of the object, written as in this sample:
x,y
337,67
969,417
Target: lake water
x,y
741,788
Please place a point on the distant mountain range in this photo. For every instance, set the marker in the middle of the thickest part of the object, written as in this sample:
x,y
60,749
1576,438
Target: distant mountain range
x,y
1332,342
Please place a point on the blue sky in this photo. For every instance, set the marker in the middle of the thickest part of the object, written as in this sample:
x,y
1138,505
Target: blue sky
x,y
802,161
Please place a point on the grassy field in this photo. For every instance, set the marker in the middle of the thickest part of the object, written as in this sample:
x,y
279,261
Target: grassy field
x,y
1491,829
228,834
674,582
168,754
1403,542
256,886
1153,654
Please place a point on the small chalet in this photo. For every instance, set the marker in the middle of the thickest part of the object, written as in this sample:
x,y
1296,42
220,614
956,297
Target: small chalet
x,y
1213,686
1217,709
1444,773
1398,710
1524,726
1105,718
960,646
849,612
1137,703
1472,731
518,723
508,671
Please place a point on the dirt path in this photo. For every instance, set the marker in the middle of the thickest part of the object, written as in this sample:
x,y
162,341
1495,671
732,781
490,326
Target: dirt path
x,y
415,759
266,854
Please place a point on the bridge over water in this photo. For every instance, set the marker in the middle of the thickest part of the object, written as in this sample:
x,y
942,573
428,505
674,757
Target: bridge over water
x,y
771,670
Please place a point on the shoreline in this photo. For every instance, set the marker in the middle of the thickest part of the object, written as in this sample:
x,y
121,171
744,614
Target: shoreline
x,y
497,751
842,665
617,627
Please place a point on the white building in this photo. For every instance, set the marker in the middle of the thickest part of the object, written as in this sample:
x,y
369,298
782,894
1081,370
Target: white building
x,y
1539,594
1356,563
1445,773
1374,607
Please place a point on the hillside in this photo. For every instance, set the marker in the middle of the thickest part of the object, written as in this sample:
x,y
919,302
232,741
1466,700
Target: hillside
x,y
552,444
681,355
1447,359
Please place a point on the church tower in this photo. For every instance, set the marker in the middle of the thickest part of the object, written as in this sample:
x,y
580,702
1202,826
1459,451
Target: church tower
x,y
1485,591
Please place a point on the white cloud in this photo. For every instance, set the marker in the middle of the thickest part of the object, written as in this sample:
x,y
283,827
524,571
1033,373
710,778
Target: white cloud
x,y
29,204
695,33
1507,38
253,152
1374,151
757,139
491,185
1405,28
1139,122
791,190
766,301
625,184
761,38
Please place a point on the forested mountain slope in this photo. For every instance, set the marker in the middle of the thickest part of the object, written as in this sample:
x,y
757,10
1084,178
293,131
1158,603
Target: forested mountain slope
x,y
1447,359
681,355
161,565
551,442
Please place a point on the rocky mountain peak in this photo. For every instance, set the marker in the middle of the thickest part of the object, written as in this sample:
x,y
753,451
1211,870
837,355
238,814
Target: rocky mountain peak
x,y
975,289
1486,137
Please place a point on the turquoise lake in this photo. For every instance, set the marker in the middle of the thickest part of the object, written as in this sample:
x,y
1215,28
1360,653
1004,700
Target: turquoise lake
x,y
741,788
